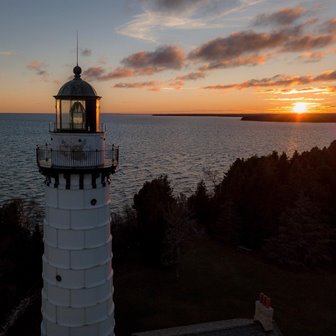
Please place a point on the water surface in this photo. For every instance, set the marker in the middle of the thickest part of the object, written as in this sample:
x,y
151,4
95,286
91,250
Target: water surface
x,y
181,147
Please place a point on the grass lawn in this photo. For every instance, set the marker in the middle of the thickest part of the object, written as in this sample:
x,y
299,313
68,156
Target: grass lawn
x,y
217,283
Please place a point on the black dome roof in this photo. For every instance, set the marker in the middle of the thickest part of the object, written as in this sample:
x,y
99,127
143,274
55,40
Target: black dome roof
x,y
77,87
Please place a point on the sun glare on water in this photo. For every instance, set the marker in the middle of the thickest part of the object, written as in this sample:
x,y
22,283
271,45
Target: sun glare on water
x,y
300,107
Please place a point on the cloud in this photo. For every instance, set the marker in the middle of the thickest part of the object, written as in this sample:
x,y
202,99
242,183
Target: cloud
x,y
277,80
7,53
165,57
324,90
192,76
141,63
248,47
86,52
236,62
94,73
177,83
326,76
224,49
175,5
100,74
285,16
328,26
151,85
311,57
39,68
145,26
296,99
308,42
158,15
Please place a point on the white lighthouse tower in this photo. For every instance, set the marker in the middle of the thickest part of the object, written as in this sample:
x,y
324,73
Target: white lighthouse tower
x,y
77,164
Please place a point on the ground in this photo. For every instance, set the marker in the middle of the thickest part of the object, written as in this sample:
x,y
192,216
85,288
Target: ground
x,y
214,282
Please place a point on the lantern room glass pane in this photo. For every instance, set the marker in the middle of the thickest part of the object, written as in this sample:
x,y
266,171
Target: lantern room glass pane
x,y
77,114
65,114
97,114
58,114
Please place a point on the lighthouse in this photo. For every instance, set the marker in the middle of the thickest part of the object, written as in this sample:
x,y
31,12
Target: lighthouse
x,y
77,164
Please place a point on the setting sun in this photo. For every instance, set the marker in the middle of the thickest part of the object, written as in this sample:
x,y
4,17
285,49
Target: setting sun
x,y
300,107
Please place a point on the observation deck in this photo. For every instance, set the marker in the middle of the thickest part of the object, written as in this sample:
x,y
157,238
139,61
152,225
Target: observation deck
x,y
74,161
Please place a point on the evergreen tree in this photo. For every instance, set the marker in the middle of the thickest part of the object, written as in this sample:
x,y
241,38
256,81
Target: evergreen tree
x,y
304,237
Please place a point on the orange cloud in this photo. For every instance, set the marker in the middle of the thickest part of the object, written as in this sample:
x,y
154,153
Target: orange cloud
x,y
278,80
141,63
236,62
245,47
192,76
329,26
165,57
151,85
308,42
284,16
325,90
99,73
311,57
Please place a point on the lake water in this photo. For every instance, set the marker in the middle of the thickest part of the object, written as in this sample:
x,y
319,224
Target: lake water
x,y
181,147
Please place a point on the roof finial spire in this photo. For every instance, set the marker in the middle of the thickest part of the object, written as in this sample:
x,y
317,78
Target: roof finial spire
x,y
77,48
77,70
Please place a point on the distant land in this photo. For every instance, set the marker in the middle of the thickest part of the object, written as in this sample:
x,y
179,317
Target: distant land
x,y
237,115
274,117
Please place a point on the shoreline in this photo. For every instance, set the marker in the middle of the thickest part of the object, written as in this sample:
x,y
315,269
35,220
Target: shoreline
x,y
267,117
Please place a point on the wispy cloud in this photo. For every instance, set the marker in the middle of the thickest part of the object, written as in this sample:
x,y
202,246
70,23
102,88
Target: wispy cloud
x,y
39,67
157,15
144,26
86,52
7,53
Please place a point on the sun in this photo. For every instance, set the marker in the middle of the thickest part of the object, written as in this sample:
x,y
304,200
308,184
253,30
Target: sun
x,y
300,107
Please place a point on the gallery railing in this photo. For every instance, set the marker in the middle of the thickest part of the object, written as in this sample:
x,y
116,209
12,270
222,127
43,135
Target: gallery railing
x,y
79,127
72,159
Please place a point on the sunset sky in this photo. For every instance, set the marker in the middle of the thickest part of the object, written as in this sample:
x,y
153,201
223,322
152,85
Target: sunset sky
x,y
161,56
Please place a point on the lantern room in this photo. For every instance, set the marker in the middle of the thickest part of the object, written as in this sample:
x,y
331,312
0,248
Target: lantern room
x,y
77,106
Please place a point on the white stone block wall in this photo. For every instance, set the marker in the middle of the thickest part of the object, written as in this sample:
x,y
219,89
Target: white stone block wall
x,y
77,272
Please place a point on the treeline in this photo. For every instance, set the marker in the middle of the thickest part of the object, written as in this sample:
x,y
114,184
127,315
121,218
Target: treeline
x,y
279,207
21,251
282,208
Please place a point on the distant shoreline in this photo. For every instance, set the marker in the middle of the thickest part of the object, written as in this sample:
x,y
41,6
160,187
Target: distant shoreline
x,y
293,117
269,117
240,115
